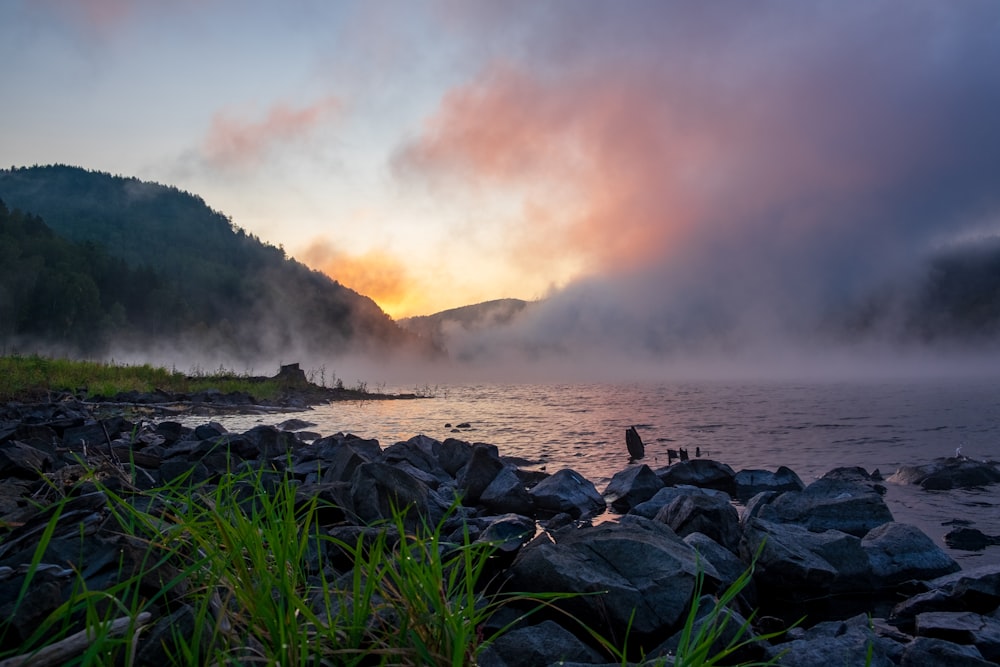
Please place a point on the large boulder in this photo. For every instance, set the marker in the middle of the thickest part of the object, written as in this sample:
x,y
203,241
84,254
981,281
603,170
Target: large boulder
x,y
18,459
667,495
955,472
849,642
379,490
483,467
900,552
631,486
794,562
748,483
704,473
928,652
567,491
547,643
829,504
701,513
965,627
506,494
976,590
420,452
631,575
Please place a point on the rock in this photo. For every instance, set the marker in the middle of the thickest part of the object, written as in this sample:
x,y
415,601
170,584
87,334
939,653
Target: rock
x,y
648,575
967,627
453,455
734,630
725,562
969,539
666,495
339,463
976,590
748,483
948,473
700,513
95,434
829,504
704,473
23,461
547,643
210,431
419,452
379,489
631,486
567,491
483,467
506,494
795,561
928,652
838,643
900,552
509,532
295,425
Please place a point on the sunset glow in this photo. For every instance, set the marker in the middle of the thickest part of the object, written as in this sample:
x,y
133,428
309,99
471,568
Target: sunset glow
x,y
434,154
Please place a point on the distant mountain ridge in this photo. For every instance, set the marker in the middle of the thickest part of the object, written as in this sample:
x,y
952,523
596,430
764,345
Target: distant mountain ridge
x,y
485,315
199,281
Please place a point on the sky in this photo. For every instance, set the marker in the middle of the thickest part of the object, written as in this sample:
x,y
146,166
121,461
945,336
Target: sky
x,y
649,168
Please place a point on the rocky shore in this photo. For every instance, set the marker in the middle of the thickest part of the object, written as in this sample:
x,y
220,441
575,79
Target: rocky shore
x,y
866,589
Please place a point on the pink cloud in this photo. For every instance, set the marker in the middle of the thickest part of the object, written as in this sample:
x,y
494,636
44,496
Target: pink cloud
x,y
234,142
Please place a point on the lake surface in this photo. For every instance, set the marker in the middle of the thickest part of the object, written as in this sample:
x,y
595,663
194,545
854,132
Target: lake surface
x,y
809,427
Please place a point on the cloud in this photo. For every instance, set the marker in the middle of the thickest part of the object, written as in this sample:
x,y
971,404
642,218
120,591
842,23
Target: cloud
x,y
235,142
725,174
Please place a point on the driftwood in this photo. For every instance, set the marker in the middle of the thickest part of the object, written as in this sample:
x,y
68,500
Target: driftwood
x,y
61,651
634,443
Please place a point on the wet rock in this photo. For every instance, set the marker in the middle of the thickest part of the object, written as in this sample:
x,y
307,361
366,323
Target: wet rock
x,y
667,495
976,590
900,552
700,513
969,539
633,442
829,504
379,489
295,425
506,494
748,483
210,431
508,532
796,561
649,576
928,652
704,473
483,467
568,491
631,486
966,628
839,643
948,473
547,643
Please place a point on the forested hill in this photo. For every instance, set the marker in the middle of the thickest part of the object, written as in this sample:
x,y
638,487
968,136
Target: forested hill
x,y
91,263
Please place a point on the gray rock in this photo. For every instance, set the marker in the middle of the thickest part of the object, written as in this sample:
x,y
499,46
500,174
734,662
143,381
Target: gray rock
x,y
900,552
734,629
508,532
631,486
838,643
928,652
506,493
379,489
631,575
704,473
962,628
748,483
795,561
547,643
976,590
483,467
453,455
339,462
725,562
667,495
23,461
421,453
567,491
701,513
956,472
828,504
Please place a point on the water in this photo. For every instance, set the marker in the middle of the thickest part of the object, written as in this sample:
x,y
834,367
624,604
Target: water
x,y
809,427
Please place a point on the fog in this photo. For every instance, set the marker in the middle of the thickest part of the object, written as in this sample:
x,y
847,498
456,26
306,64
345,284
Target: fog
x,y
739,182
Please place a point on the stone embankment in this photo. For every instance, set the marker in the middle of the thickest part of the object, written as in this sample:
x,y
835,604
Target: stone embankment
x,y
873,591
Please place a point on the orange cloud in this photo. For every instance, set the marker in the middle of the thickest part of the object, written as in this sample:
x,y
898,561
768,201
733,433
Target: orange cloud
x,y
235,142
376,274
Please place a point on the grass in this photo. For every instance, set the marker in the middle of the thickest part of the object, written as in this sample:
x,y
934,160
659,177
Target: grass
x,y
241,572
33,377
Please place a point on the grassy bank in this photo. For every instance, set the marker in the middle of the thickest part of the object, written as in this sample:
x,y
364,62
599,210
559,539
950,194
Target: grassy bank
x,y
34,377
